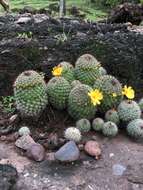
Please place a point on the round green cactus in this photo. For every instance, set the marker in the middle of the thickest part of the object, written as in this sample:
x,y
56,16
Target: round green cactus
x,y
102,71
112,115
97,124
30,93
75,83
129,110
83,125
87,69
67,71
73,134
110,129
79,103
141,104
112,91
135,129
58,90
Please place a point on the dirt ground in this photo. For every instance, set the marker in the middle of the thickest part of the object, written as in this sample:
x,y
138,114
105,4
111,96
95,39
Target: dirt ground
x,y
86,173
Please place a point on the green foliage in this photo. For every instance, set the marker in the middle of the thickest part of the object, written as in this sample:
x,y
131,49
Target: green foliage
x,y
83,125
112,91
110,129
135,129
79,103
30,93
87,69
8,104
97,124
58,90
25,35
129,110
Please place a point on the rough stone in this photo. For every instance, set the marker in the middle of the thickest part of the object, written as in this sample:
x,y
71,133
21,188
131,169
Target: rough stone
x,y
36,152
24,142
93,149
68,152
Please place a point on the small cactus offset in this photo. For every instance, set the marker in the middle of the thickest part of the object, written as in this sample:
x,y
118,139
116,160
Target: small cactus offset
x,y
73,134
135,129
112,92
97,124
110,129
129,110
65,70
87,69
83,125
141,104
112,115
58,90
79,103
30,93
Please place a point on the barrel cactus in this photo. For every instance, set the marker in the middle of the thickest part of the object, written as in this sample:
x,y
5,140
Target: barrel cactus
x,y
135,129
87,69
75,83
110,129
129,110
83,125
30,93
141,104
97,124
102,71
112,115
112,91
58,90
73,134
80,104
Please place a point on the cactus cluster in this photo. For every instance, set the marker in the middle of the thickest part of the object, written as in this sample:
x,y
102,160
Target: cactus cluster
x,y
30,93
111,89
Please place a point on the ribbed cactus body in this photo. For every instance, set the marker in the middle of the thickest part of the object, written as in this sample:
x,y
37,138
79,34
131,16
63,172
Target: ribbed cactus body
x,y
135,129
97,124
30,93
58,90
112,92
79,103
87,69
83,125
112,115
129,110
110,129
68,71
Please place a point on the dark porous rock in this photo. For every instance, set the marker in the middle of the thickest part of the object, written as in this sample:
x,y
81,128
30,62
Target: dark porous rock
x,y
116,46
68,152
8,177
36,152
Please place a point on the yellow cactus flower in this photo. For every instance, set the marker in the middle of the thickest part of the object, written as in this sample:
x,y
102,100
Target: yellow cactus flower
x,y
128,92
114,94
96,96
57,71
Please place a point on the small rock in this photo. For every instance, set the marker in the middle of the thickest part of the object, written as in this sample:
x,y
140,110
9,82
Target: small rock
x,y
40,18
13,119
3,138
24,142
24,131
118,169
81,147
23,20
93,149
68,152
36,152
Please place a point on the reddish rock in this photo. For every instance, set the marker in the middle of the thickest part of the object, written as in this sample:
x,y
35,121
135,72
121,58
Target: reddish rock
x,y
93,149
24,142
36,152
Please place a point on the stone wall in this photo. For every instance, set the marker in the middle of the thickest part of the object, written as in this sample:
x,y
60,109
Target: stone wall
x,y
118,48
